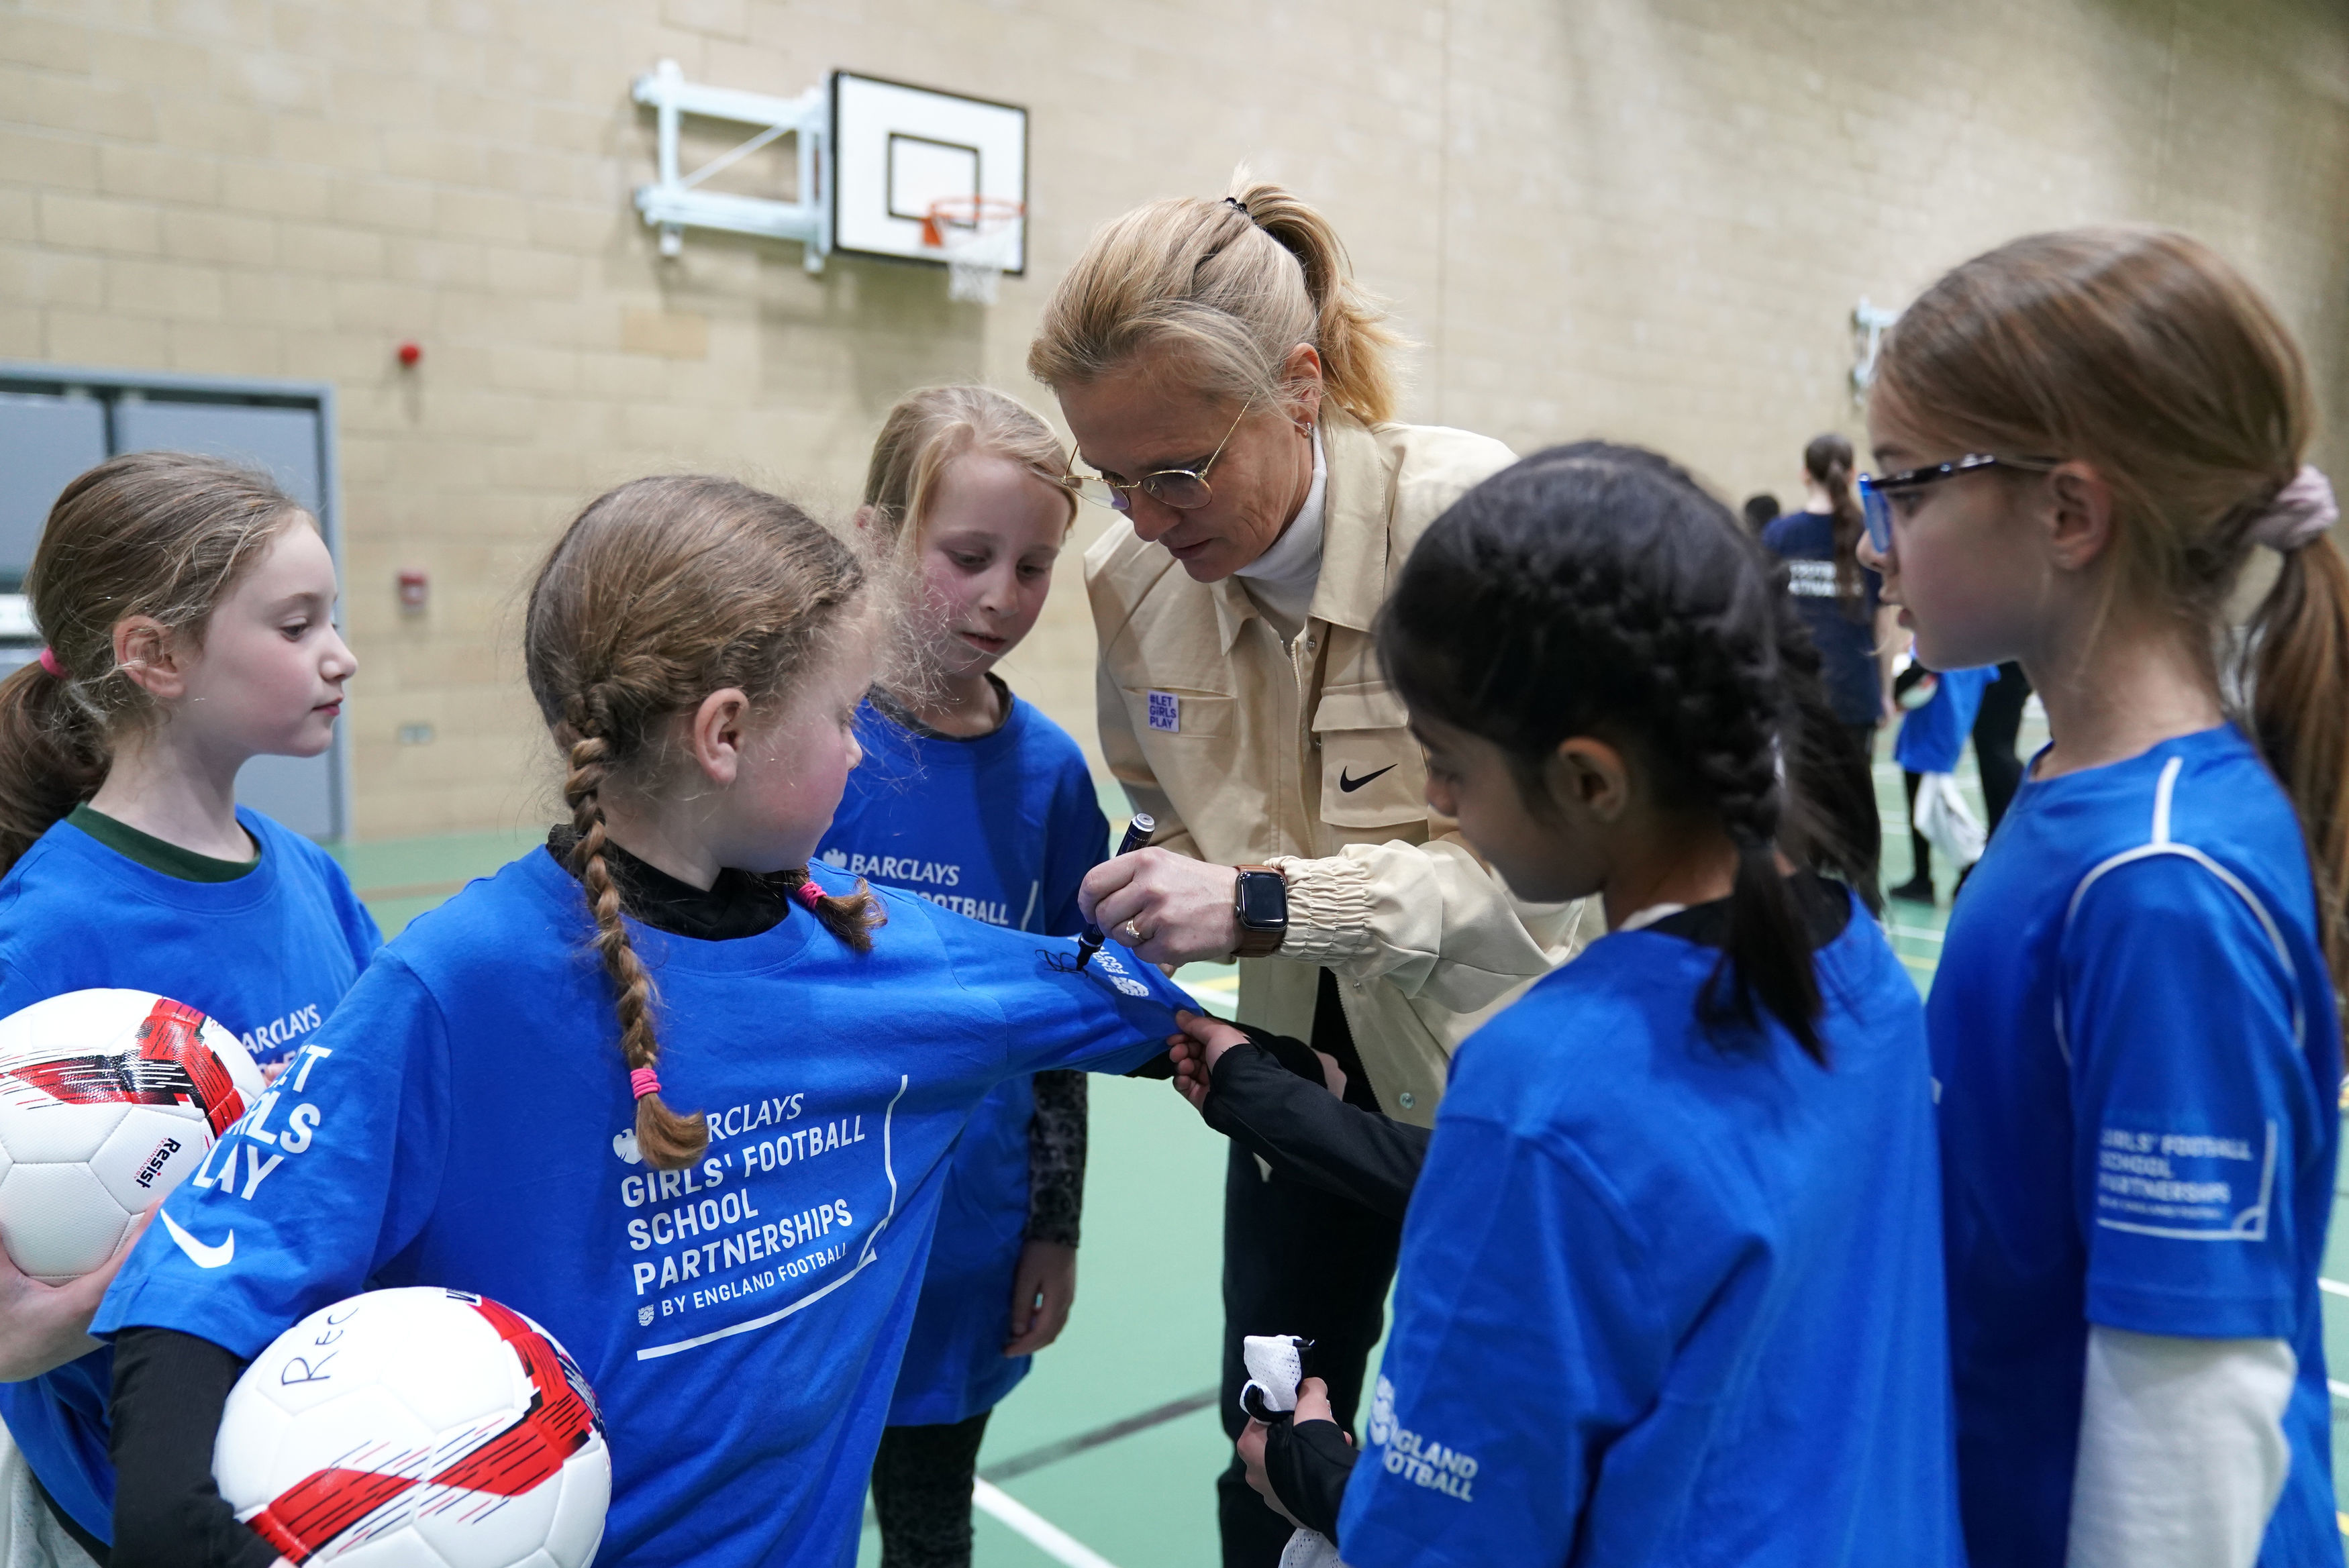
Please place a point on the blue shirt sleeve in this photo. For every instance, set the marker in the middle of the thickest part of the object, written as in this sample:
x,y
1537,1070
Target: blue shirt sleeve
x,y
1112,1016
1516,1358
2192,1103
332,1171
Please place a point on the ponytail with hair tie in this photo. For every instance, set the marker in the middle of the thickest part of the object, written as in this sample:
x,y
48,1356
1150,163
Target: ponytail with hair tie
x,y
2303,512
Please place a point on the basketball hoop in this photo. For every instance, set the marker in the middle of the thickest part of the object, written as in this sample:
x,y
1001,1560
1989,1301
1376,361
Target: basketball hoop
x,y
980,238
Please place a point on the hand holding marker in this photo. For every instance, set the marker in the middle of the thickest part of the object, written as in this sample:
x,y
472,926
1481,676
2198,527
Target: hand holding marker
x,y
1137,836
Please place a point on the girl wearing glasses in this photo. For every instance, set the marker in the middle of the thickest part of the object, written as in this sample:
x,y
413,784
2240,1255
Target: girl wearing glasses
x,y
2091,436
1227,384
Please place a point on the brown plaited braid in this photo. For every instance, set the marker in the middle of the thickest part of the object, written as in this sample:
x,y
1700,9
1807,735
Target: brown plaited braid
x,y
669,1141
662,591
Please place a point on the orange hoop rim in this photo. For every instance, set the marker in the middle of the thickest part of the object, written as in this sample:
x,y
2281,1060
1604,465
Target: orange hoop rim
x,y
967,213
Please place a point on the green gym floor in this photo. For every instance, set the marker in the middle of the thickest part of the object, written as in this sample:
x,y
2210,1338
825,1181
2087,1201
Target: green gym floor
x,y
1106,1455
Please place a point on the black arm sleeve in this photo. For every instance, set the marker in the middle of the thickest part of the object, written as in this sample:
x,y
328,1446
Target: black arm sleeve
x,y
1302,1130
168,1391
1056,1157
1307,1463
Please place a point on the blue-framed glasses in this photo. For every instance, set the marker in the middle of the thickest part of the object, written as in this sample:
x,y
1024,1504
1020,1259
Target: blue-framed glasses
x,y
1876,490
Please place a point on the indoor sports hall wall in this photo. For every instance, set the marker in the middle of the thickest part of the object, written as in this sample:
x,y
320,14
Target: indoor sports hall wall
x,y
1646,218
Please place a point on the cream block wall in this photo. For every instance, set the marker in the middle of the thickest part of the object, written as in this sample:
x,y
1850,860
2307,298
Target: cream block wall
x,y
1647,219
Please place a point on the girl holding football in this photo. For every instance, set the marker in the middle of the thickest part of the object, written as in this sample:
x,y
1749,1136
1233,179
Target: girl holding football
x,y
496,1107
187,609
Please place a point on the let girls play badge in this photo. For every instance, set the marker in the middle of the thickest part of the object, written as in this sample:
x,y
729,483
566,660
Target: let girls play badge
x,y
1166,712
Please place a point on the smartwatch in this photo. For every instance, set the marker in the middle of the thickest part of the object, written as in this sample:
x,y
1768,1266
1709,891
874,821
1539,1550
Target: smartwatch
x,y
1260,900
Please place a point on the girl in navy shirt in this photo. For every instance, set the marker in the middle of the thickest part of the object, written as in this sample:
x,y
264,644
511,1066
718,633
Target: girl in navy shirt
x,y
2087,436
976,802
494,1107
188,606
1670,1286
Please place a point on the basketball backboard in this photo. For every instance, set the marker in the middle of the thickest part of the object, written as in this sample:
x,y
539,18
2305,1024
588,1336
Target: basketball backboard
x,y
900,151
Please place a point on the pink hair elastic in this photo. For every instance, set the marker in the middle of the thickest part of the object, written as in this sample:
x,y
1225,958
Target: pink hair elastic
x,y
49,663
808,893
643,1081
2299,514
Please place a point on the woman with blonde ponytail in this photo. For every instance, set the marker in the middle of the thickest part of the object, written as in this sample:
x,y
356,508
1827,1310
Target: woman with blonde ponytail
x,y
2085,439
1233,396
666,1086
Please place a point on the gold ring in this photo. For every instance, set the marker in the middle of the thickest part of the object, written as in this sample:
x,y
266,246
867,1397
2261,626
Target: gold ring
x,y
1134,932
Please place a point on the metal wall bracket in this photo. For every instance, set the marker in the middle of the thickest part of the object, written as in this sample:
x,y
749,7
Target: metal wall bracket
x,y
673,203
1869,323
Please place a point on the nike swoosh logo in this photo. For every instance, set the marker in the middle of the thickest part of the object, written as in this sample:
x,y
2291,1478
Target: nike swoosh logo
x,y
203,1256
1349,784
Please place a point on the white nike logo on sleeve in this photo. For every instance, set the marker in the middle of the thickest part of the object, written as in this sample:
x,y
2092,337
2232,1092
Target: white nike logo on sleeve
x,y
203,1256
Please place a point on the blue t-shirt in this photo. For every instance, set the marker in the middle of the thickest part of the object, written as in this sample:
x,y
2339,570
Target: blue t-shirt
x,y
1663,1301
1933,738
2136,1051
1844,636
1003,827
268,956
464,1120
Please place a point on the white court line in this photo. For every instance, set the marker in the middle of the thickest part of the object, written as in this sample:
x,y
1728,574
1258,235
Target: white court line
x,y
1057,1543
2339,1389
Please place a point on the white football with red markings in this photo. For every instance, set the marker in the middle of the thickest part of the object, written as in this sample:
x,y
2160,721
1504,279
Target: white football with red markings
x,y
417,1427
109,1099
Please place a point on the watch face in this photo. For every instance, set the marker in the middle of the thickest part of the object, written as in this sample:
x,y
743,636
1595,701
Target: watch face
x,y
1263,900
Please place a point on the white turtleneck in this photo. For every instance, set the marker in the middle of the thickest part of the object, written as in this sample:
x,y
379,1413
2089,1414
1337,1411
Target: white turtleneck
x,y
1281,581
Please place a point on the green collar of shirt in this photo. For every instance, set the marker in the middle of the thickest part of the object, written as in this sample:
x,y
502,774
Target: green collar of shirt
x,y
158,854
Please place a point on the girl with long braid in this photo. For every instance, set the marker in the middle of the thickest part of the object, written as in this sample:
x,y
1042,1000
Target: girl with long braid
x,y
737,1280
1671,1287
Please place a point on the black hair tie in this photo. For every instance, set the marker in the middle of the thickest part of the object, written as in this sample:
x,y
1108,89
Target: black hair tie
x,y
1236,205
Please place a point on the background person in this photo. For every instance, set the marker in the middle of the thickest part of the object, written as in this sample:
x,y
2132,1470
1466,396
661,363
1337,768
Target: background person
x,y
1230,383
976,800
1836,595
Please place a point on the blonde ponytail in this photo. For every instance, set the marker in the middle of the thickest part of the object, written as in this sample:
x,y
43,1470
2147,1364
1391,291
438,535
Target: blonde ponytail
x,y
1230,289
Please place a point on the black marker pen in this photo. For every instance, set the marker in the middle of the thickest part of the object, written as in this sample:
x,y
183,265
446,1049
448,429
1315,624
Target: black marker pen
x,y
1138,837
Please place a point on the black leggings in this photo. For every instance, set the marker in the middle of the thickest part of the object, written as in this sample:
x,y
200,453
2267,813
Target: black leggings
x,y
921,1490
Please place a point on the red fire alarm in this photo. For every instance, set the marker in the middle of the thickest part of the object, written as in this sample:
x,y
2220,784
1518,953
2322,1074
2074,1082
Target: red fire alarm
x,y
414,590
410,353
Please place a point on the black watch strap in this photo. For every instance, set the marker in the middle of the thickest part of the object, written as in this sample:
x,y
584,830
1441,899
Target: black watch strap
x,y
1259,939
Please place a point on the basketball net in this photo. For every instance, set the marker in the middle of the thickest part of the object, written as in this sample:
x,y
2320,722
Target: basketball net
x,y
980,238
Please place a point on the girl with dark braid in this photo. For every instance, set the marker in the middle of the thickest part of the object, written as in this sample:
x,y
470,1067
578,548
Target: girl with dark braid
x,y
725,1216
1670,1286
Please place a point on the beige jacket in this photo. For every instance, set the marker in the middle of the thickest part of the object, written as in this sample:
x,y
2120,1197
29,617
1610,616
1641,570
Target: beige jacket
x,y
1299,757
